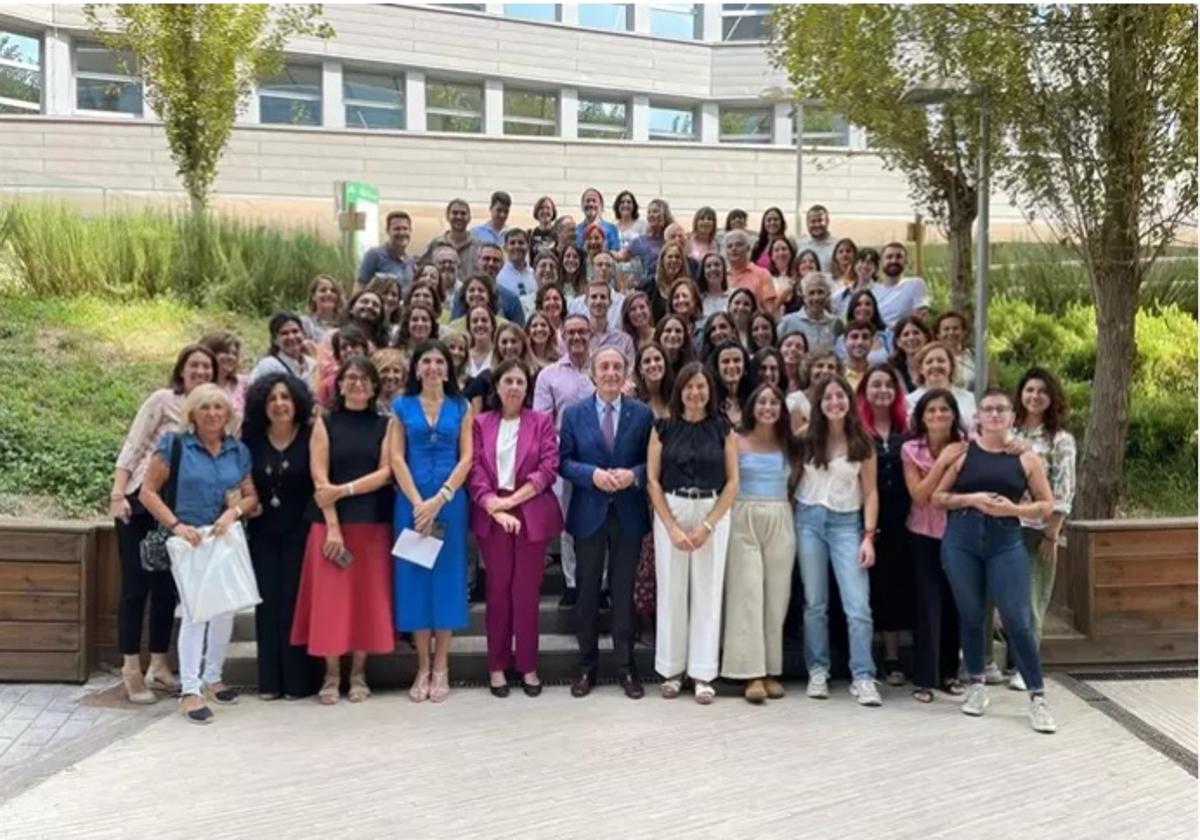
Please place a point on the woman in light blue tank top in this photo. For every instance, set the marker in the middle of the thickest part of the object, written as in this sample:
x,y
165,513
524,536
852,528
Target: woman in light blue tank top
x,y
762,545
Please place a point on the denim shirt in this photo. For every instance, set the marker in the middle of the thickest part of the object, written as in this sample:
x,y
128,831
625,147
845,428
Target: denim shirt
x,y
203,479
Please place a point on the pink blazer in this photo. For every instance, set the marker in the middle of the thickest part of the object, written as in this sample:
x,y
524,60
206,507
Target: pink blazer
x,y
536,462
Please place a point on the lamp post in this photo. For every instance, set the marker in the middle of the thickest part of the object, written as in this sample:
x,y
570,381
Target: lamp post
x,y
939,92
776,94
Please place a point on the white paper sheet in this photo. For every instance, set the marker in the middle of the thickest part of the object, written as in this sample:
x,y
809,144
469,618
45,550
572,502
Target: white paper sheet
x,y
414,548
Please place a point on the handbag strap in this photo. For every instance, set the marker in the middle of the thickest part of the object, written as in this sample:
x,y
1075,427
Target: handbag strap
x,y
173,479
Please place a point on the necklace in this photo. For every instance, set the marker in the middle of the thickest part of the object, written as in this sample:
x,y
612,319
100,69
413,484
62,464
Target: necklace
x,y
276,470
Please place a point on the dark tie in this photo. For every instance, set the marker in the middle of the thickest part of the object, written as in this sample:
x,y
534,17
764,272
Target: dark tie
x,y
606,428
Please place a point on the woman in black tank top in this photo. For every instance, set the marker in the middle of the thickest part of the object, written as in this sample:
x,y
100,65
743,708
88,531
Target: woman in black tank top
x,y
986,493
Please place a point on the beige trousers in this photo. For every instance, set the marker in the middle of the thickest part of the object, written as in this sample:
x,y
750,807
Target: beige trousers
x,y
758,579
688,632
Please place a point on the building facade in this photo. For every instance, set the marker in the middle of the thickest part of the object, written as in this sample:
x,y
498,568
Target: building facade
x,y
431,102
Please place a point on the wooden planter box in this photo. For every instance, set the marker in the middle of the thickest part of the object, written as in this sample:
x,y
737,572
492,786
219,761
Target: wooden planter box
x,y
1130,585
46,583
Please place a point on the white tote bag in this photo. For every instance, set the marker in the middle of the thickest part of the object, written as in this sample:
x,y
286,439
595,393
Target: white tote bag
x,y
214,577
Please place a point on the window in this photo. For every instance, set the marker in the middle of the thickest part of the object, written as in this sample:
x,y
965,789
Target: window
x,y
293,97
532,11
530,112
452,106
823,127
603,119
373,100
20,73
462,7
672,123
675,21
105,81
746,125
744,21
605,16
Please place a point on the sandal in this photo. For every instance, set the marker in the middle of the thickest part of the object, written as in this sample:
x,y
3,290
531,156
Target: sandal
x,y
923,695
441,686
670,688
954,687
705,693
331,690
420,688
136,689
162,681
358,688
894,673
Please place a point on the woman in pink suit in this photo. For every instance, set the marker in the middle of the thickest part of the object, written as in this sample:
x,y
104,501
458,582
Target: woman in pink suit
x,y
514,515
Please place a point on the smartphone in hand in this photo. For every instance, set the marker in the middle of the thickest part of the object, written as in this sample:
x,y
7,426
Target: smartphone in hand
x,y
344,558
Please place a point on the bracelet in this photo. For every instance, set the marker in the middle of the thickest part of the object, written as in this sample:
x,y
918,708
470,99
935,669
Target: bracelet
x,y
706,525
173,526
446,493
349,488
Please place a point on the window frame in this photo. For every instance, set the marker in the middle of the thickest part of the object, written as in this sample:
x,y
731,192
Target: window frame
x,y
813,139
21,106
764,139
664,138
76,74
728,13
697,14
543,122
626,7
611,132
349,102
481,115
557,7
264,92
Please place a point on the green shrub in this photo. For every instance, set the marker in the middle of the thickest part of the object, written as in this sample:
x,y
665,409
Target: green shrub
x,y
54,251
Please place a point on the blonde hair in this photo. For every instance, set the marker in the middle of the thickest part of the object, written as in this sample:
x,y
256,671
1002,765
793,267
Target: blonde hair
x,y
201,396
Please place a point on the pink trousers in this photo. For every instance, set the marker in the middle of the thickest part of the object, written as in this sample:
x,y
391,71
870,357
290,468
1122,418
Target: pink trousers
x,y
514,586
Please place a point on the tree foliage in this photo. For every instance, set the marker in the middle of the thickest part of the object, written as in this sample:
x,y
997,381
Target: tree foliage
x,y
200,65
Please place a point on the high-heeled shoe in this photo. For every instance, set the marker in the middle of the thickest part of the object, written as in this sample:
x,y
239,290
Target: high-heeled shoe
x,y
420,688
135,688
441,686
160,680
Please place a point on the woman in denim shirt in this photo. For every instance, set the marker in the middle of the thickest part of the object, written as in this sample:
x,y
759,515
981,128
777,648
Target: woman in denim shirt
x,y
213,488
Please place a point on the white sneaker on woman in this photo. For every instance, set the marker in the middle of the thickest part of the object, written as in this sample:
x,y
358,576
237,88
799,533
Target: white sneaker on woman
x,y
1016,682
975,701
1039,715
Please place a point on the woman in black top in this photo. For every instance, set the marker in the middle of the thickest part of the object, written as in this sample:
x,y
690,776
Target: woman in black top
x,y
345,599
880,402
692,478
982,552
276,431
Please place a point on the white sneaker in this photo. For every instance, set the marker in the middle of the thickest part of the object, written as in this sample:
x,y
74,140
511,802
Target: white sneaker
x,y
1039,716
975,701
818,686
866,691
1016,682
992,675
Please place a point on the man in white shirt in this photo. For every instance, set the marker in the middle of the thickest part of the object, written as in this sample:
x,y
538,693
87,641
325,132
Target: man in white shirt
x,y
516,275
899,296
820,240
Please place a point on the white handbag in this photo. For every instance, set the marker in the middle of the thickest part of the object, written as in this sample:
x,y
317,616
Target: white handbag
x,y
214,577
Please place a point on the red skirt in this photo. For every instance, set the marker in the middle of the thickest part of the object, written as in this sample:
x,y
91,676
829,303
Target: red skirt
x,y
342,610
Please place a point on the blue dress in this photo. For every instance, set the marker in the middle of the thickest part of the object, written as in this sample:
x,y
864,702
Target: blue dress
x,y
432,599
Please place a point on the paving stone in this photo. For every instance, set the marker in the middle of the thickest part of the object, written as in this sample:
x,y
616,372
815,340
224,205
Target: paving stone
x,y
49,718
11,728
36,736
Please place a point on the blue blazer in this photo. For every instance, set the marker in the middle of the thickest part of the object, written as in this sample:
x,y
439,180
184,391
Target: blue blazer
x,y
582,451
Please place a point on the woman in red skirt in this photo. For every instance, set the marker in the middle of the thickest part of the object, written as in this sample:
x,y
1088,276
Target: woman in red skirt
x,y
345,599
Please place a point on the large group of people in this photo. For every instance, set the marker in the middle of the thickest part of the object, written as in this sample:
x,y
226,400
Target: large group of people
x,y
685,420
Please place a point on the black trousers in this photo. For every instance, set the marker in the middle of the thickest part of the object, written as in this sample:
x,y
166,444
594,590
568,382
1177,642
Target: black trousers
x,y
622,550
137,585
283,668
935,632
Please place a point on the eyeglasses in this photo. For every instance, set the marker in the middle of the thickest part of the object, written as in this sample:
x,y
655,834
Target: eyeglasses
x,y
995,409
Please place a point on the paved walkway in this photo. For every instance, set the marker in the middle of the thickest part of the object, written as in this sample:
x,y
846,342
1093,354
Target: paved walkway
x,y
565,768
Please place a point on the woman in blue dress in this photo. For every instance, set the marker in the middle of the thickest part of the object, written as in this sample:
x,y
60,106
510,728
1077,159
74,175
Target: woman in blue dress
x,y
431,456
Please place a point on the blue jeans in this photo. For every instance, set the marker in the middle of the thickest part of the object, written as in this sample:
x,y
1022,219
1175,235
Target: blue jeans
x,y
825,538
984,555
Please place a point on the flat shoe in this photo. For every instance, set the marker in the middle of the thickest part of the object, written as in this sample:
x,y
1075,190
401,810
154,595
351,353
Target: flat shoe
x,y
705,693
774,688
670,688
222,697
755,692
202,715
531,689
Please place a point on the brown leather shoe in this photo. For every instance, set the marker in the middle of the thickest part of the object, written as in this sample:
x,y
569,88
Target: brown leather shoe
x,y
582,685
774,688
632,686
756,692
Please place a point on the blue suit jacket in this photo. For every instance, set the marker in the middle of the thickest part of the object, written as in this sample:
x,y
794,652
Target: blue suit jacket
x,y
582,451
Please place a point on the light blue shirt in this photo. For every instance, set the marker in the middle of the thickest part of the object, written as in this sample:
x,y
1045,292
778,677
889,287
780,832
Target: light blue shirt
x,y
486,233
204,479
616,404
518,281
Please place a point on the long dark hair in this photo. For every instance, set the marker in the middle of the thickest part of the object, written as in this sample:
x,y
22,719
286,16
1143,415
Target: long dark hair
x,y
361,364
402,335
577,282
783,424
255,424
176,381
745,384
920,431
877,320
761,356
413,386
706,344
668,381
492,401
899,358
376,333
278,321
763,236
1057,412
690,370
791,257
815,443
687,353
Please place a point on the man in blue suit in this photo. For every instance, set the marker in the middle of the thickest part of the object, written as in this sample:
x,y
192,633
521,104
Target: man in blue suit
x,y
602,444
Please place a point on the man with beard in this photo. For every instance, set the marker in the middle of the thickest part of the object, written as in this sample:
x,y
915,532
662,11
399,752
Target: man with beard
x,y
391,258
899,296
820,241
458,216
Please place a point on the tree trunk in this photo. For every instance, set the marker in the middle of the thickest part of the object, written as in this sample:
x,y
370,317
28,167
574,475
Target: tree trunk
x,y
960,225
1117,271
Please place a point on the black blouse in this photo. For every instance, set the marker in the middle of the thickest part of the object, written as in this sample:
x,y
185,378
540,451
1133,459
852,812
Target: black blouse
x,y
693,454
283,481
889,482
355,441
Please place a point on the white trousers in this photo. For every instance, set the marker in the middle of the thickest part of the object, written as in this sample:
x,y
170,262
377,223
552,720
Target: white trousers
x,y
690,589
202,649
